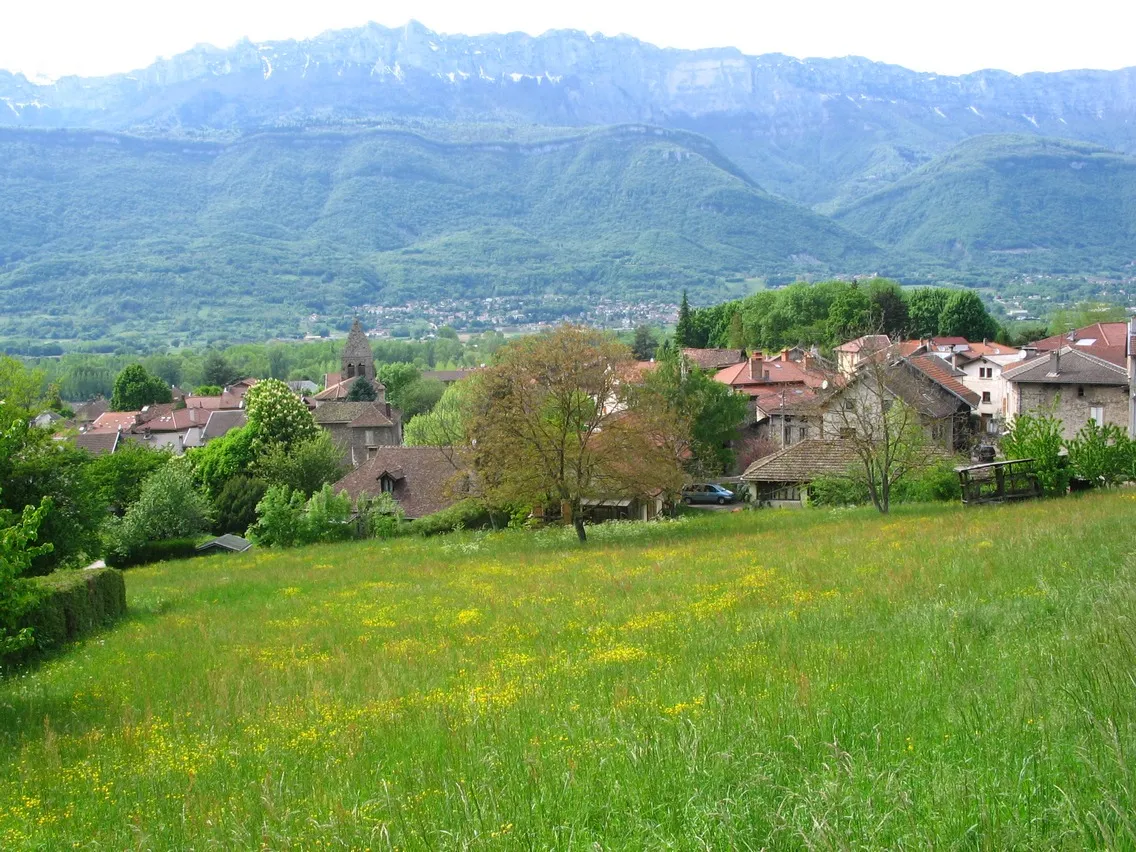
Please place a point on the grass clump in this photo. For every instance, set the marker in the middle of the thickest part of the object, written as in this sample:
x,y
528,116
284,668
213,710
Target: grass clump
x,y
937,677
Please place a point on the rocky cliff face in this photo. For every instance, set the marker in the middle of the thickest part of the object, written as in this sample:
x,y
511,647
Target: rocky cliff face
x,y
819,131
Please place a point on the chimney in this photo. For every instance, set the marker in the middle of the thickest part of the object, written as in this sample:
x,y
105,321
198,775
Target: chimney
x,y
1054,362
756,368
784,356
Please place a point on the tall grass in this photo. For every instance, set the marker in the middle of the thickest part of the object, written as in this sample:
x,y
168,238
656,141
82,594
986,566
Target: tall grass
x,y
761,680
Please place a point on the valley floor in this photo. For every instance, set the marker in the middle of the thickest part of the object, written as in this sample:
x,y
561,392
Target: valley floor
x,y
940,677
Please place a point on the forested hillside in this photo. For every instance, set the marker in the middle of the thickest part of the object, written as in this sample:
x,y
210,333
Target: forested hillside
x,y
114,232
1010,203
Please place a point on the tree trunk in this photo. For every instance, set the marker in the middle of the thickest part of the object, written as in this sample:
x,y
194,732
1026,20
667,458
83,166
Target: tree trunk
x,y
578,521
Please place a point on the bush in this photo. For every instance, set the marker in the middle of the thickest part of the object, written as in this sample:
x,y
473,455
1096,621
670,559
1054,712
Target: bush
x,y
284,519
68,605
936,484
1038,437
469,514
154,551
236,504
832,491
169,507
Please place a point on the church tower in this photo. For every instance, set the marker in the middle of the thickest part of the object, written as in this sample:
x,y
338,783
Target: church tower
x,y
358,359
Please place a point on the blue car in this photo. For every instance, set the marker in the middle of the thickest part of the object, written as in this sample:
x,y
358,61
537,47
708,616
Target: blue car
x,y
714,494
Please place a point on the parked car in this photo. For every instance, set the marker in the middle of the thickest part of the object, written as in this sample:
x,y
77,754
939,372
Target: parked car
x,y
707,494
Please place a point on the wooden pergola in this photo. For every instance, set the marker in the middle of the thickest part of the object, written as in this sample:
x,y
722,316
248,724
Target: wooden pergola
x,y
998,482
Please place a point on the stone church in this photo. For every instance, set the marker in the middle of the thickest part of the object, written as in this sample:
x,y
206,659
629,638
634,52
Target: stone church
x,y
360,428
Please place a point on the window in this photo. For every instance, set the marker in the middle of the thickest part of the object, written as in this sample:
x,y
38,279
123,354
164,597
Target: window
x,y
802,432
1080,391
938,430
985,372
1096,412
986,396
847,433
849,405
369,437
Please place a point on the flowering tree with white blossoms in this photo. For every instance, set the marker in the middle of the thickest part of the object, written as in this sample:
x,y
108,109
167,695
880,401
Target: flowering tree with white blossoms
x,y
278,416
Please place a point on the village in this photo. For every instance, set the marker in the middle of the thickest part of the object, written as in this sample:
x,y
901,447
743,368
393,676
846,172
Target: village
x,y
803,413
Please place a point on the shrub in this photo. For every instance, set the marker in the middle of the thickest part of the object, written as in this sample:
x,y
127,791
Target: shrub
x,y
465,515
836,490
1038,437
379,517
236,504
1099,454
937,484
304,467
68,605
154,551
169,507
279,517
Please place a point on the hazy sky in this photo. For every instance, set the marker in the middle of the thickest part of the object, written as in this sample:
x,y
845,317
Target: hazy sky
x,y
57,37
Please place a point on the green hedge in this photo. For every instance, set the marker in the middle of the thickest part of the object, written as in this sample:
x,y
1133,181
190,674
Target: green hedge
x,y
468,514
155,551
69,605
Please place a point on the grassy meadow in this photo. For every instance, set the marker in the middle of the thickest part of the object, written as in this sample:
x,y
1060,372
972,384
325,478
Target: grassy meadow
x,y
939,677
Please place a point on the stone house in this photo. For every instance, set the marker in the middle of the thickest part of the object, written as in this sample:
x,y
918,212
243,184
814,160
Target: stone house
x,y
926,383
360,428
1074,384
782,480
422,480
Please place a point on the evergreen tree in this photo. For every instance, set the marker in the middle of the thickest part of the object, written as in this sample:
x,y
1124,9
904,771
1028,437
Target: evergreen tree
x,y
362,391
735,336
684,330
216,370
644,345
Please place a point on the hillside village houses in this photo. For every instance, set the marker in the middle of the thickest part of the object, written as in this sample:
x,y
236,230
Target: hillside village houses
x,y
802,406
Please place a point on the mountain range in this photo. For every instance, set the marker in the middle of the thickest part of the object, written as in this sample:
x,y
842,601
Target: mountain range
x,y
375,164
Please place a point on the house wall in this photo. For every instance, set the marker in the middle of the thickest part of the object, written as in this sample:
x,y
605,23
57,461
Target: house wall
x,y
834,420
1072,409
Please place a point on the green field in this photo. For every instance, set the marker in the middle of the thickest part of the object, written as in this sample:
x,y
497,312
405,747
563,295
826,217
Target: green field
x,y
939,677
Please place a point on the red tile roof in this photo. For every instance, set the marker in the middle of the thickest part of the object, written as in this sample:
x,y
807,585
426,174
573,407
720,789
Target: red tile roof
x,y
780,373
943,374
115,420
1107,340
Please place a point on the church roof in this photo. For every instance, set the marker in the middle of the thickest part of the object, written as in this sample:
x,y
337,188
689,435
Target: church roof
x,y
357,344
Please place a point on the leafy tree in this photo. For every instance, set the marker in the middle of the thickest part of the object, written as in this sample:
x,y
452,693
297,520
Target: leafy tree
x,y
276,415
420,397
36,468
684,335
925,308
117,477
165,367
556,421
305,467
22,388
446,425
277,362
1037,436
850,314
18,533
223,458
236,504
216,370
135,388
208,390
889,312
395,377
712,412
168,507
644,345
964,315
362,390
